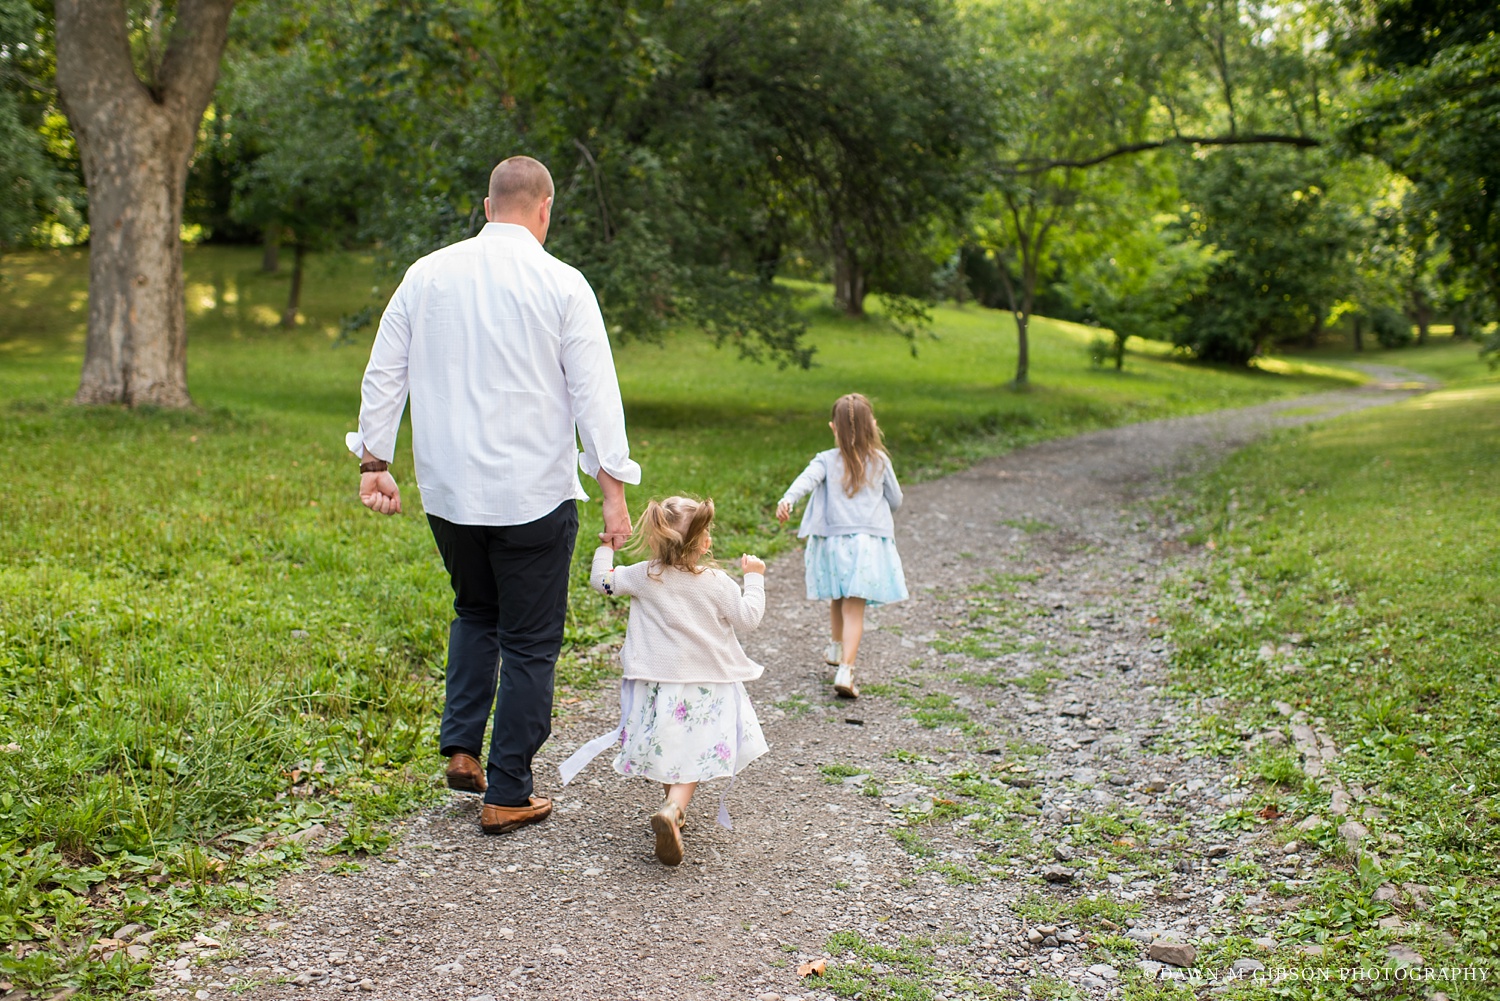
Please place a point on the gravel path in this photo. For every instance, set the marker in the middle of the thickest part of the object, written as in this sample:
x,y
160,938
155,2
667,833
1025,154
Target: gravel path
x,y
1010,799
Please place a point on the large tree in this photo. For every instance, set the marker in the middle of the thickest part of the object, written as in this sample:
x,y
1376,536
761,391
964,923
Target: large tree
x,y
134,91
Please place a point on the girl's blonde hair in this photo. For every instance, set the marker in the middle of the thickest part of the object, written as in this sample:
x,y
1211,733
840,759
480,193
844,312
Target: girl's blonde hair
x,y
859,439
672,531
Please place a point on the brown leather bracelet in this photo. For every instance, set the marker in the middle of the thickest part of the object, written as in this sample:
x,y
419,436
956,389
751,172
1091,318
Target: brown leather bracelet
x,y
374,466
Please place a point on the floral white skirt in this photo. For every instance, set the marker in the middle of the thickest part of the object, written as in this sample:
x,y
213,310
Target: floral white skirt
x,y
672,732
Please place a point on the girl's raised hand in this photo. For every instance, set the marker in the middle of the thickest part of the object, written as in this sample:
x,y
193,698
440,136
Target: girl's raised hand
x,y
783,511
752,564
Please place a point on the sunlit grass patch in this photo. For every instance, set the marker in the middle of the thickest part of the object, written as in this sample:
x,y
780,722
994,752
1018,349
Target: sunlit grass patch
x,y
1369,545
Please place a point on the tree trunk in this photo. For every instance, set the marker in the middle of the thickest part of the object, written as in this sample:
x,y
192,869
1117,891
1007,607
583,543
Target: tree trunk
x,y
1424,320
135,142
1314,333
1023,348
849,281
294,297
1359,333
270,256
1120,352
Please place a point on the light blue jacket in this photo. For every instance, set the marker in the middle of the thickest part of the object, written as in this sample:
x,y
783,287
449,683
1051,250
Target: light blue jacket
x,y
830,511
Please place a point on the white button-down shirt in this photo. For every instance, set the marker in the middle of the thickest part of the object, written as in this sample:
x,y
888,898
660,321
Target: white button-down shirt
x,y
503,351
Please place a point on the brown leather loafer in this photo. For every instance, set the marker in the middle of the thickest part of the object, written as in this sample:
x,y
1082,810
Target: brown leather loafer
x,y
504,819
465,773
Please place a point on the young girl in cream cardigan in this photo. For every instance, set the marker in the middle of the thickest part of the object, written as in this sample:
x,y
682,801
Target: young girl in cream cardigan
x,y
684,714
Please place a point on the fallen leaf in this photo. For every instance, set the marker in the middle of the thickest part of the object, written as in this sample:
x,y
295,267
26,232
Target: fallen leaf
x,y
1125,843
205,942
815,967
1268,812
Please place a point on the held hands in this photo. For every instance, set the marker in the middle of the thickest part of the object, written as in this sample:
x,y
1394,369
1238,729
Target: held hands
x,y
379,493
752,564
617,527
783,511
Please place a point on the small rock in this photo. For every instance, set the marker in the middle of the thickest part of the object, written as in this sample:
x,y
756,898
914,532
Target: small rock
x,y
137,953
125,932
1386,892
1267,943
1142,935
774,997
1050,942
593,872
1069,937
1390,922
202,941
1309,822
1062,853
1216,851
1311,950
1245,967
1104,970
300,634
482,997
307,834
1047,929
1155,784
1353,832
1339,806
1290,848
1418,894
201,995
1149,968
1405,955
1075,709
506,933
1057,874
1089,980
1173,953
1034,937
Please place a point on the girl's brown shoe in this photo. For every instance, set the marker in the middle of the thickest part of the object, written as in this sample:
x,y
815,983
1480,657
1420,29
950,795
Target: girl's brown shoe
x,y
667,824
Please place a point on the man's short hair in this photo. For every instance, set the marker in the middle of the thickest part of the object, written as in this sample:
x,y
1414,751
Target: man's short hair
x,y
519,183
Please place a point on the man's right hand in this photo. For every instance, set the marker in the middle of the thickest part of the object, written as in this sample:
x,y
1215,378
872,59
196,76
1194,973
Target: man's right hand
x,y
379,493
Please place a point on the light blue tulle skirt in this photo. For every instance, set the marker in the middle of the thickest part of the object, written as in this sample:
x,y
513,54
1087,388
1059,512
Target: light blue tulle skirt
x,y
854,566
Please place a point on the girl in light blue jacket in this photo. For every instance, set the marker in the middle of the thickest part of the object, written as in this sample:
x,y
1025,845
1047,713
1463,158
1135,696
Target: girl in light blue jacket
x,y
851,556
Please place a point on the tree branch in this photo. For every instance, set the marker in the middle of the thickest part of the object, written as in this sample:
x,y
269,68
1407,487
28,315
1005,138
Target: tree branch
x,y
190,69
1024,167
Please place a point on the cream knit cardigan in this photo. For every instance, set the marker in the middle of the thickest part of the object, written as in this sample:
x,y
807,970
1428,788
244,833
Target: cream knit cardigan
x,y
682,625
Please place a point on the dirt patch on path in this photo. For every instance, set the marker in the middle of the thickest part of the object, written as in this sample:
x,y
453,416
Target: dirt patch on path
x,y
1011,799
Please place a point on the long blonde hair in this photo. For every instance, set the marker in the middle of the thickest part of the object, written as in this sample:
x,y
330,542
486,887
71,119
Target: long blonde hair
x,y
672,531
859,439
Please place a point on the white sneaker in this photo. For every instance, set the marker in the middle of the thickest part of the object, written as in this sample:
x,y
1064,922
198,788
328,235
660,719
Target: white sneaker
x,y
843,682
833,653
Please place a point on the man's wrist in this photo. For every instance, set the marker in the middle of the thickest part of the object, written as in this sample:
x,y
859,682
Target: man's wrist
x,y
374,466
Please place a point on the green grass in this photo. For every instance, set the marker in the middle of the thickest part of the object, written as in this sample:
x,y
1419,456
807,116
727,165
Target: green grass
x,y
206,643
1454,363
1375,540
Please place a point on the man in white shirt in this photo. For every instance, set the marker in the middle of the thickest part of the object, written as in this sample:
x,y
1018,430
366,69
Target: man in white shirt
x,y
504,354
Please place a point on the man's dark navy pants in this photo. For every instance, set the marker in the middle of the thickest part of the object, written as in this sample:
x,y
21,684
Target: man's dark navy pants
x,y
510,599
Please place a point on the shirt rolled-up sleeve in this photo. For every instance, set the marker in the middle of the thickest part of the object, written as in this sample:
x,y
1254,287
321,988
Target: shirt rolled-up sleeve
x,y
386,383
594,390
